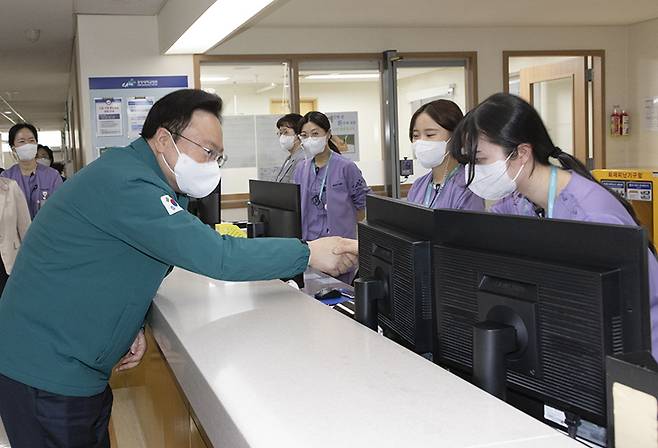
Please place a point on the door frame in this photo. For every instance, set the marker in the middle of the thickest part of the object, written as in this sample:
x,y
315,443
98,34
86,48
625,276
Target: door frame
x,y
391,59
390,154
598,94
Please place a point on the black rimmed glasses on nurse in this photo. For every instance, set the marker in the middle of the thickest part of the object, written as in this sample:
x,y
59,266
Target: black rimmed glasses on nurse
x,y
212,154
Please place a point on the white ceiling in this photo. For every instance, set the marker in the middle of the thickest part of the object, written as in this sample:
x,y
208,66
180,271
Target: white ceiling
x,y
433,13
34,77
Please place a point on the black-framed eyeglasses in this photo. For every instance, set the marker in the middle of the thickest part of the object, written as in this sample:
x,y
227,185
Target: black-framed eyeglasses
x,y
213,155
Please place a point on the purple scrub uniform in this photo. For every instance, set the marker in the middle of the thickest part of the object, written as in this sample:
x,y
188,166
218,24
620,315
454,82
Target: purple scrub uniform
x,y
332,213
584,200
454,195
37,187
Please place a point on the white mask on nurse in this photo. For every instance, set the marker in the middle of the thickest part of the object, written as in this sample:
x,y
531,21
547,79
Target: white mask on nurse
x,y
287,142
315,145
430,153
25,152
491,182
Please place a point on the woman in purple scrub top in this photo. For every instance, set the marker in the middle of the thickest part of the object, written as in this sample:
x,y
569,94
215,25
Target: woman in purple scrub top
x,y
333,191
38,182
445,185
508,150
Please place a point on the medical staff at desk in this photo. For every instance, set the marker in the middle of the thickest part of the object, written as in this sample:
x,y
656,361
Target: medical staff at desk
x,y
333,190
94,258
290,143
508,151
444,186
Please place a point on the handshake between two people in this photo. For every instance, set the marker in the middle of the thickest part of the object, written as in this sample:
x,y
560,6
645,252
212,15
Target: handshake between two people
x,y
334,255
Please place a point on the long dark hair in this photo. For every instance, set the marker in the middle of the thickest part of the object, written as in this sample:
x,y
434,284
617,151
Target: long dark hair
x,y
319,119
444,112
508,121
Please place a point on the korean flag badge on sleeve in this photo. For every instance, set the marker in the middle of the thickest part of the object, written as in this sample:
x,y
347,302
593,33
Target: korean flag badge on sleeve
x,y
170,204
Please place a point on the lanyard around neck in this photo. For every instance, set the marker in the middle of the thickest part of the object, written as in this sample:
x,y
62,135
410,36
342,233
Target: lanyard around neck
x,y
324,179
427,202
552,191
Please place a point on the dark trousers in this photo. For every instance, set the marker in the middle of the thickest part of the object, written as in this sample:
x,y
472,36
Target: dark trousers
x,y
3,276
34,418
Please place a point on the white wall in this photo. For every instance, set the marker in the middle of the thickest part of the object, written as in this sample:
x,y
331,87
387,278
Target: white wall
x,y
488,42
363,97
643,83
120,46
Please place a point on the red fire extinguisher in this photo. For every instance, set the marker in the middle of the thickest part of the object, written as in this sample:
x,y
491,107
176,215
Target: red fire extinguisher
x,y
625,123
615,122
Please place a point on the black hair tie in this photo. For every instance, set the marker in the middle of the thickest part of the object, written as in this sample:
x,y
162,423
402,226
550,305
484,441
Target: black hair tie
x,y
557,152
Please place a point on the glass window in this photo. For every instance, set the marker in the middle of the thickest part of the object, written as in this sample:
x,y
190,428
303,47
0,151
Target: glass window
x,y
349,93
255,96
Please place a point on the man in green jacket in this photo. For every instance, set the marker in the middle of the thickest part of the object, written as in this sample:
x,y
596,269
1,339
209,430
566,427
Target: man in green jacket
x,y
94,258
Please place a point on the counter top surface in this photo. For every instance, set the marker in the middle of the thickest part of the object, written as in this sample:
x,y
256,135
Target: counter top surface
x,y
264,365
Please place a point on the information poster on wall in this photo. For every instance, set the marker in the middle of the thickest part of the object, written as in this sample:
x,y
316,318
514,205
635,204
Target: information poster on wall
x,y
108,117
345,130
138,109
618,186
270,156
639,191
651,114
131,97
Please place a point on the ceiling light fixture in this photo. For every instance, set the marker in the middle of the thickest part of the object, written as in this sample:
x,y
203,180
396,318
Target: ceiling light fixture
x,y
9,106
216,24
337,76
267,88
8,118
33,35
211,78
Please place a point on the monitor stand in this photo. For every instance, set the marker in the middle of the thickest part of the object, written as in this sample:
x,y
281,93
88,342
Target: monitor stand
x,y
492,342
367,294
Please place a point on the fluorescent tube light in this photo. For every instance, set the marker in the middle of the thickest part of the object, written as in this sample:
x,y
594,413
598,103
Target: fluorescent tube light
x,y
336,76
214,78
215,24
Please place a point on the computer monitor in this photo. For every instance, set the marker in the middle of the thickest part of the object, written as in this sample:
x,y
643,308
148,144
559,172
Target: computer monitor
x,y
208,209
529,308
274,210
394,288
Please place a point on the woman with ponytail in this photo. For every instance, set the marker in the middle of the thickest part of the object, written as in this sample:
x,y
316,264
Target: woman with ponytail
x,y
333,191
510,158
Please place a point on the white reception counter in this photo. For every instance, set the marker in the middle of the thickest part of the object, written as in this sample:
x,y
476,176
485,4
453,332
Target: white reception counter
x,y
263,365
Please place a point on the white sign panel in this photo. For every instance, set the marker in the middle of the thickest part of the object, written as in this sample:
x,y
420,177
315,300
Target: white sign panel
x,y
108,117
138,109
651,114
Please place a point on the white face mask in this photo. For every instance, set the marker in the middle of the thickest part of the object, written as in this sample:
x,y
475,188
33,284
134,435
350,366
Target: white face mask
x,y
27,152
491,182
195,179
287,142
315,145
430,153
44,162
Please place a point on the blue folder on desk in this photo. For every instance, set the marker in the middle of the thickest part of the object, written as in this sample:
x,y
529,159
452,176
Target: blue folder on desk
x,y
335,301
